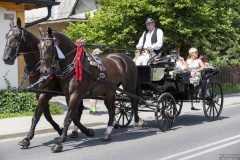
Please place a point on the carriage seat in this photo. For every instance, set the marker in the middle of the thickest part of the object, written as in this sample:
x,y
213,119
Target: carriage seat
x,y
182,76
161,69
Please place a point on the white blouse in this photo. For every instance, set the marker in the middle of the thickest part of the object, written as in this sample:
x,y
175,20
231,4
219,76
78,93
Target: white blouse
x,y
193,65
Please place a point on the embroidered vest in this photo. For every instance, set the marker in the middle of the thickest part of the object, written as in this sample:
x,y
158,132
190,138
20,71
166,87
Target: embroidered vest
x,y
153,39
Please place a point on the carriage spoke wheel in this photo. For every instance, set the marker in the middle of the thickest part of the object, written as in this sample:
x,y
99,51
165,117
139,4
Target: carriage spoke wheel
x,y
165,112
179,104
123,114
213,101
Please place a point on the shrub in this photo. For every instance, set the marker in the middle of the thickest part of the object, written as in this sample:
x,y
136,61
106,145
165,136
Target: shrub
x,y
13,101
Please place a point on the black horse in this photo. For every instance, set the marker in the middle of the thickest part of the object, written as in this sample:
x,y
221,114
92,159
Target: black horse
x,y
118,70
20,40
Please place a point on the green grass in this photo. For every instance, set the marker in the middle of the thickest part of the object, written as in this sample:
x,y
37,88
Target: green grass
x,y
54,110
228,89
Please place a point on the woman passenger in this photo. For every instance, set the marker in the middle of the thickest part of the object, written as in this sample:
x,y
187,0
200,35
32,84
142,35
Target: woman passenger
x,y
195,66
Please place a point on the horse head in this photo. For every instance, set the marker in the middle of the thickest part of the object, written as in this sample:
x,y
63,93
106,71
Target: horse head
x,y
14,37
52,46
47,50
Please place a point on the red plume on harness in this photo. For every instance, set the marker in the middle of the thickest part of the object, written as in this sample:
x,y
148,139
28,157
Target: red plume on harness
x,y
78,64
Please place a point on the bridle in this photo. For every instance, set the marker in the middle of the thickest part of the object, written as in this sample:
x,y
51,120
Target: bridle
x,y
52,59
55,43
42,43
18,43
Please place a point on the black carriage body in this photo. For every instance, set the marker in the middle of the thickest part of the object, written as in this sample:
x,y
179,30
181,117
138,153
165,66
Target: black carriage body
x,y
156,78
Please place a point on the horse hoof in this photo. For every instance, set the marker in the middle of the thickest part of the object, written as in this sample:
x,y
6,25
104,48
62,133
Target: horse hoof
x,y
116,126
60,131
24,143
90,133
74,134
141,123
57,148
107,137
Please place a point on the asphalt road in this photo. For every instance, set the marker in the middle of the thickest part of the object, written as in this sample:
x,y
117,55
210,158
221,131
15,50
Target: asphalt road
x,y
190,138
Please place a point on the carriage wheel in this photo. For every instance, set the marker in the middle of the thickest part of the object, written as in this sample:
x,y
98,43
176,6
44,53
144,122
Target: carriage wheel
x,y
123,114
179,104
165,112
213,101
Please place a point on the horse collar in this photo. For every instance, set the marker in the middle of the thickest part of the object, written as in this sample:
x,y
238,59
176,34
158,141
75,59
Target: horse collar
x,y
97,63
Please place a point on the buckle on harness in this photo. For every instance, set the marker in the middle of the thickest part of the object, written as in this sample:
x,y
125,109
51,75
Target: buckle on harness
x,y
101,75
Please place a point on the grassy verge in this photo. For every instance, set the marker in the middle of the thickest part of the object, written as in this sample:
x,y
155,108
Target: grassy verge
x,y
228,89
54,110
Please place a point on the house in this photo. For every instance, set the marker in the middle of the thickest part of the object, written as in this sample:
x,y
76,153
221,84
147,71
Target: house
x,y
11,9
67,11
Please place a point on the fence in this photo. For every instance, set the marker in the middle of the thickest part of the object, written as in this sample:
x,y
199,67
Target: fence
x,y
230,76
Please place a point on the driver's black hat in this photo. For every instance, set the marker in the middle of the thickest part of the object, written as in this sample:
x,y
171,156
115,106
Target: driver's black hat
x,y
149,20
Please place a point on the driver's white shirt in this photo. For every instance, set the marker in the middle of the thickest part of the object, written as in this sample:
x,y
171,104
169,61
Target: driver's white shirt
x,y
148,42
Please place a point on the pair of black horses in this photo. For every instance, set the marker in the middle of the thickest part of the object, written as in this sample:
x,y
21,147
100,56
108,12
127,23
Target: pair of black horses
x,y
41,53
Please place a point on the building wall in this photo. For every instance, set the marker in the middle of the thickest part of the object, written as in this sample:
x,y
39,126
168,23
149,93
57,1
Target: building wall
x,y
55,26
10,70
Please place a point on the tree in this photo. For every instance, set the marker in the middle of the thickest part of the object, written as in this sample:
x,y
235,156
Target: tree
x,y
210,25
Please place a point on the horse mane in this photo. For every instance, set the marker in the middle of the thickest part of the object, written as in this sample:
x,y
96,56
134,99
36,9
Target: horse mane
x,y
30,33
62,34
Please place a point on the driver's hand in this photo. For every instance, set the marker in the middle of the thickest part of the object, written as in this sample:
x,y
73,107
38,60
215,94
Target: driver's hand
x,y
139,48
150,48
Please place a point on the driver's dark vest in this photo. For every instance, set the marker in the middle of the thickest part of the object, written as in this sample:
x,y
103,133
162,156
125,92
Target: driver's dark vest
x,y
153,39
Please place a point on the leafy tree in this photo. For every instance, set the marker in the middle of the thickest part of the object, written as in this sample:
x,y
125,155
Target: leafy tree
x,y
210,25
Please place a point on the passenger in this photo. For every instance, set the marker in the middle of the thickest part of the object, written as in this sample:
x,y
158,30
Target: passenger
x,y
181,65
151,40
195,66
201,57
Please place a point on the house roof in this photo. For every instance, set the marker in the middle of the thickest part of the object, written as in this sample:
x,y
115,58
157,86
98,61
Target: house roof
x,y
68,10
34,3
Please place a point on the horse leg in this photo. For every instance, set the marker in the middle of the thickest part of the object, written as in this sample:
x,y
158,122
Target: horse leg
x,y
134,102
51,121
42,104
110,104
138,121
26,141
83,129
67,121
71,115
79,114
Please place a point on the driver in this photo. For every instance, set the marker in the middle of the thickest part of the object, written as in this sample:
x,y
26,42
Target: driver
x,y
151,40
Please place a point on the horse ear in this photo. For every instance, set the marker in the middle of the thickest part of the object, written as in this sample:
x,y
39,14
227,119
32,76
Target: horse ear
x,y
11,23
49,30
19,22
41,30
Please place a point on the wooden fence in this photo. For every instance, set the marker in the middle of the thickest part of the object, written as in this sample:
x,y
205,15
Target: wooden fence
x,y
230,76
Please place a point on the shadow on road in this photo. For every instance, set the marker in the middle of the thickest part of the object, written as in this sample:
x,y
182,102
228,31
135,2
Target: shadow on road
x,y
190,120
119,135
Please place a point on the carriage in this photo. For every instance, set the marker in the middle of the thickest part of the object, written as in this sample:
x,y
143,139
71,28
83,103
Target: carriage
x,y
164,91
